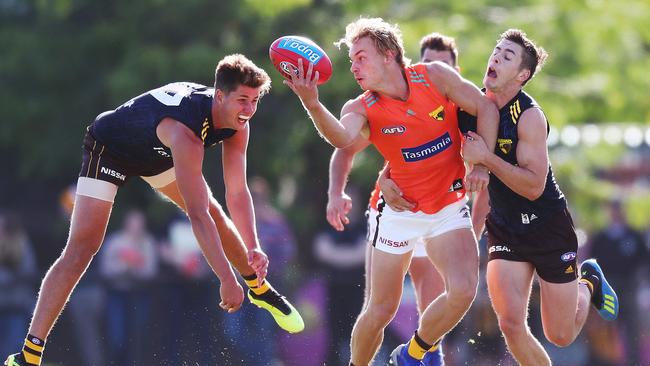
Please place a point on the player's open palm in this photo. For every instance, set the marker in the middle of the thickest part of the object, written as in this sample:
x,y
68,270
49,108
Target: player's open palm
x,y
232,294
304,84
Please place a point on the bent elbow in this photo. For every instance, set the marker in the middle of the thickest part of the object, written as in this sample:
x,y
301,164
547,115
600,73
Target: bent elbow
x,y
535,193
340,142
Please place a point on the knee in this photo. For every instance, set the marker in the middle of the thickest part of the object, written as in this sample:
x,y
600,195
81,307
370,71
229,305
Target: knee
x,y
559,338
512,327
381,313
461,291
77,257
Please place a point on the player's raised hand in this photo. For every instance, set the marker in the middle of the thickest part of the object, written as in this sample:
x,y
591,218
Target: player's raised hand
x,y
338,207
304,84
232,294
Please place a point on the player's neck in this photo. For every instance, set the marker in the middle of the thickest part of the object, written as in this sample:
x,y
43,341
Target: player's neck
x,y
503,95
216,121
394,85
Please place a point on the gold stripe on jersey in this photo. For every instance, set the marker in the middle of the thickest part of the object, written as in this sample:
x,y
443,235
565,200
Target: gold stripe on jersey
x,y
204,129
515,111
99,157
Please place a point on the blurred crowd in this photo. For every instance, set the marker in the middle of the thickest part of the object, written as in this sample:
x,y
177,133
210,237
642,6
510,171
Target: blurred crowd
x,y
149,300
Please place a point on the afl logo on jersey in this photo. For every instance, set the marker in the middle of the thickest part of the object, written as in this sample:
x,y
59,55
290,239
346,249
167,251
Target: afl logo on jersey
x,y
393,130
569,256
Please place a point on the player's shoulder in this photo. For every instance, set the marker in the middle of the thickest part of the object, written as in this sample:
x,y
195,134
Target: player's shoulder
x,y
532,122
437,69
360,103
525,101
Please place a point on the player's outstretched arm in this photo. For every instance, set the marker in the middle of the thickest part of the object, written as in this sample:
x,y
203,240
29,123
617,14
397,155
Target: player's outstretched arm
x,y
187,152
339,203
239,200
338,133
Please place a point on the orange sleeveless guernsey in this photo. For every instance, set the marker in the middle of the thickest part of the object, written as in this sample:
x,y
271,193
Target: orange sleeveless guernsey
x,y
420,139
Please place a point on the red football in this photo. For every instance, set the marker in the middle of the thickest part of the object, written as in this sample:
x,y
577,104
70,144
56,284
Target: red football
x,y
287,50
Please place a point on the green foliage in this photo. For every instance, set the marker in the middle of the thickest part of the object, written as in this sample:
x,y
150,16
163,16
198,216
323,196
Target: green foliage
x,y
65,61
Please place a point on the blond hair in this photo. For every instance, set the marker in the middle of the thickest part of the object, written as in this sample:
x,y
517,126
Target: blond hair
x,y
386,37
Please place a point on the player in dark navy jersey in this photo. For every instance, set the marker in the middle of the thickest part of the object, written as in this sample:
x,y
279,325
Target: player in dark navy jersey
x,y
161,136
529,227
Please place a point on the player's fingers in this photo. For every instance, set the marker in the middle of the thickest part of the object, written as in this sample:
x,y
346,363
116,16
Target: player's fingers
x,y
261,275
338,223
316,77
347,206
234,308
402,204
345,219
330,219
478,186
301,72
395,207
310,70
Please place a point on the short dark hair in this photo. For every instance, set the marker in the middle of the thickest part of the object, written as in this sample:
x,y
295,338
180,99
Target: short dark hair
x,y
439,42
235,70
533,57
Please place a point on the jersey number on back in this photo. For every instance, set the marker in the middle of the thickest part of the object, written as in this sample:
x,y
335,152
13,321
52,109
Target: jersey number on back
x,y
171,95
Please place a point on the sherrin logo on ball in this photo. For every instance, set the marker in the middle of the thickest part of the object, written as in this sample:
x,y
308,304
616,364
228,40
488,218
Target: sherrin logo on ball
x,y
307,50
287,50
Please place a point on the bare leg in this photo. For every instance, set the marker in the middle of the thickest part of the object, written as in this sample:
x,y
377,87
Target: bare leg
x,y
387,279
87,229
427,282
367,265
509,285
455,255
561,302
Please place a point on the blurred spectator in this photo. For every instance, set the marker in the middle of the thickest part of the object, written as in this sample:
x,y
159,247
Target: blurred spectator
x,y
17,273
621,252
188,309
342,255
254,332
128,262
